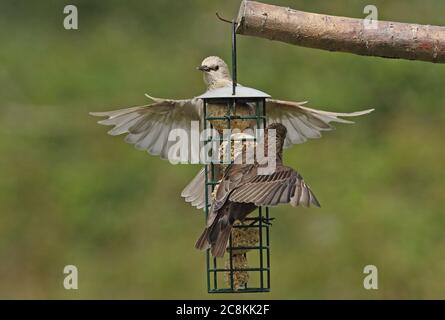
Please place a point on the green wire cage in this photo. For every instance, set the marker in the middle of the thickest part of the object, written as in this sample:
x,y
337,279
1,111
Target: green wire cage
x,y
247,260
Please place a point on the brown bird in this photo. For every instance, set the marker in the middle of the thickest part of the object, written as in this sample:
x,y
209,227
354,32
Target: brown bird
x,y
242,189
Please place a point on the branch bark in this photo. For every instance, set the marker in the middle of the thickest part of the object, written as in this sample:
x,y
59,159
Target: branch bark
x,y
389,40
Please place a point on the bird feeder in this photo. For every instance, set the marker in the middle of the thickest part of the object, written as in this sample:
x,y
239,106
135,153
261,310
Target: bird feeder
x,y
246,264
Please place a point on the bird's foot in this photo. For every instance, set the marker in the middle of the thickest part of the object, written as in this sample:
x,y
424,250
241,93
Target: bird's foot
x,y
262,219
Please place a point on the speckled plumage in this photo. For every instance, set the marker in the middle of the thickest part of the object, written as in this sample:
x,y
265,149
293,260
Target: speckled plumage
x,y
242,189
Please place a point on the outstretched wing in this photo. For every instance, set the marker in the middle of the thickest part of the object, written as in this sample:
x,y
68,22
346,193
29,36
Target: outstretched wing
x,y
149,126
304,123
283,186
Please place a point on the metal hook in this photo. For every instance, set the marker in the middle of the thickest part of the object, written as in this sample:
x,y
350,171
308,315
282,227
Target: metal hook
x,y
222,19
234,73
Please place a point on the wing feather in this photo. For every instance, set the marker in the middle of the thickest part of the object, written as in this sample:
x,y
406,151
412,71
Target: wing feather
x,y
149,126
194,192
283,186
304,123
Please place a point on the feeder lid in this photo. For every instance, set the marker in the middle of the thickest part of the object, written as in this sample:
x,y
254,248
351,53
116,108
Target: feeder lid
x,y
240,92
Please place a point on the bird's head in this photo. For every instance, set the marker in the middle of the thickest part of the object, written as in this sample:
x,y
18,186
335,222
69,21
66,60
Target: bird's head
x,y
215,71
280,135
279,128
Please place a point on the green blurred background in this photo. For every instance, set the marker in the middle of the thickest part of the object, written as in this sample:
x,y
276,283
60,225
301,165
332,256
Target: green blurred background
x,y
71,194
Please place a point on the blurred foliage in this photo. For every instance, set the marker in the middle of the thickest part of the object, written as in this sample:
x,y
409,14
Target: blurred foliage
x,y
70,194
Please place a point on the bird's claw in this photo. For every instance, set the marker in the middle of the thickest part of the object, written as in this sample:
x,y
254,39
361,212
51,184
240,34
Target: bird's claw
x,y
263,220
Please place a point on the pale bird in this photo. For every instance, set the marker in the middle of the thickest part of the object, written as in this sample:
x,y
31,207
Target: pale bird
x,y
148,126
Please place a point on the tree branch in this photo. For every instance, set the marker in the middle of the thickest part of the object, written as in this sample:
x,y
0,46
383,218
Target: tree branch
x,y
389,40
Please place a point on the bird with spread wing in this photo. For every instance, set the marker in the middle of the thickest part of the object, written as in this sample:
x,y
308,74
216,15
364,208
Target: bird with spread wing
x,y
148,127
243,188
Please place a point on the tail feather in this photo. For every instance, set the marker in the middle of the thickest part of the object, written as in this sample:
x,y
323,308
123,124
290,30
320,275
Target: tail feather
x,y
216,235
202,243
219,246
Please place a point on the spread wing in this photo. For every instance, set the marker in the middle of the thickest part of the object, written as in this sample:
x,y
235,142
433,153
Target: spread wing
x,y
283,186
149,126
304,123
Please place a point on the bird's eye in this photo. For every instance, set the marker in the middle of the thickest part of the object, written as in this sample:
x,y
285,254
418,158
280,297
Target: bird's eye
x,y
215,68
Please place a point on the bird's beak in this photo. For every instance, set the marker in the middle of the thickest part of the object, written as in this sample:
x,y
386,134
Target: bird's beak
x,y
203,68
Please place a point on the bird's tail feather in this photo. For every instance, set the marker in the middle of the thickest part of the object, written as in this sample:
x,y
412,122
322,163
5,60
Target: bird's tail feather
x,y
216,235
219,246
202,243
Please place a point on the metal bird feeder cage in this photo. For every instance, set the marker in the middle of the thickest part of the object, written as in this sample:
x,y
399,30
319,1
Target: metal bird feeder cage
x,y
246,264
